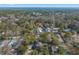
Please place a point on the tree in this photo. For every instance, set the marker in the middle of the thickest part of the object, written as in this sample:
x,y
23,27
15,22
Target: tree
x,y
35,52
22,48
29,37
55,40
44,37
2,26
1,37
43,50
61,50
61,26
67,36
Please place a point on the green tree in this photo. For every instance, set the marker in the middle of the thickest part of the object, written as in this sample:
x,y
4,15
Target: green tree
x,y
2,26
55,40
44,37
29,37
61,26
44,50
67,36
61,50
35,52
1,37
22,48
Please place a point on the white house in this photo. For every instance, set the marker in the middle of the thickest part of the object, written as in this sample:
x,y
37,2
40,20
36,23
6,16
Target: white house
x,y
39,30
55,30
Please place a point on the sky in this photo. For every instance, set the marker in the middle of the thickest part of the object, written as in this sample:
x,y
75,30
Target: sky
x,y
39,5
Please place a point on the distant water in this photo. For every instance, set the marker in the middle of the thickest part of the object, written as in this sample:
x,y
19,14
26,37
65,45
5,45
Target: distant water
x,y
38,8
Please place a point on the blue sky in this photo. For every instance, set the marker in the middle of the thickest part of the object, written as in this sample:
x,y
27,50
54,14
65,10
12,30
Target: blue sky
x,y
39,5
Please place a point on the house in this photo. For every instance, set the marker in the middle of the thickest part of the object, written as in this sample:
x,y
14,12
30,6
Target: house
x,y
55,30
35,45
46,29
60,38
39,30
36,13
19,42
54,48
15,42
67,30
12,43
4,43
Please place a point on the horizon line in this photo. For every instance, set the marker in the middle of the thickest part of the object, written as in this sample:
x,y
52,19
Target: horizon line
x,y
39,5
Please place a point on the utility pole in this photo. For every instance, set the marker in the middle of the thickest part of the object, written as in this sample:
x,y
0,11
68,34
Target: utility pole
x,y
52,18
